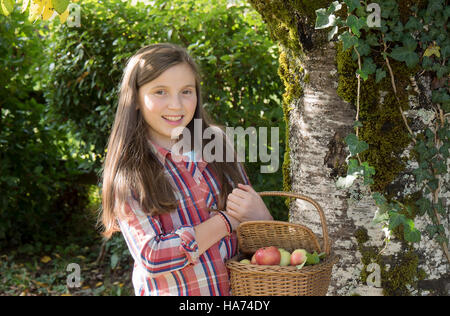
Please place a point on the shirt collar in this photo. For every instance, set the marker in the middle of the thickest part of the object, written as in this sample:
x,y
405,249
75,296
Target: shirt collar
x,y
163,153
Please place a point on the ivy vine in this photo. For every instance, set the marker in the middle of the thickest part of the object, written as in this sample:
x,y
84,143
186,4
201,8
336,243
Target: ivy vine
x,y
423,42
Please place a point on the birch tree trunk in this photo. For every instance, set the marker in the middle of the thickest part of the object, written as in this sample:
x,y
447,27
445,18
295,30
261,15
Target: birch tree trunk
x,y
318,121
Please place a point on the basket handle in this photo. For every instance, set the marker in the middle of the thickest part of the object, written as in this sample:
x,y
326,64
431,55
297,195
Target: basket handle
x,y
326,245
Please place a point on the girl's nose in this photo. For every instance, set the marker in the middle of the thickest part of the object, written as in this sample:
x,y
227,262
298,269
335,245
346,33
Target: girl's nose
x,y
175,103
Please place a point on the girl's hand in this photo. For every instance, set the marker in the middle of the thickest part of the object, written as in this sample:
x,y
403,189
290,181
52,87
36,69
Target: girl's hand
x,y
245,204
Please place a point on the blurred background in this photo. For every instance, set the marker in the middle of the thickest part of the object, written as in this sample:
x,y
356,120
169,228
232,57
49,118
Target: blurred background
x,y
58,96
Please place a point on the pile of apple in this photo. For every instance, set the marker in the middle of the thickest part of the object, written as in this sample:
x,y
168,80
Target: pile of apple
x,y
274,256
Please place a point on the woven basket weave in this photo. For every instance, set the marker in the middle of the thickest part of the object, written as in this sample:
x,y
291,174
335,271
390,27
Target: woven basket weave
x,y
264,280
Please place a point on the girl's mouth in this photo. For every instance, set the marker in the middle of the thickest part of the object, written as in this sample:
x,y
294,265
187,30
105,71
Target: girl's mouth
x,y
173,119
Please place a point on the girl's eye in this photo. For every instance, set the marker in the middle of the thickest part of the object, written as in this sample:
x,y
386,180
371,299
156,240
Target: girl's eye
x,y
187,92
159,92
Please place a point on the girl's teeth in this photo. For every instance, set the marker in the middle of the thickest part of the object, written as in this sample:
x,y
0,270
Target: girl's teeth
x,y
173,118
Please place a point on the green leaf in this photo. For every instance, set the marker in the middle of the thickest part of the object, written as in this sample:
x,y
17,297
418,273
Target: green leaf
x,y
114,260
409,42
7,6
312,258
357,124
380,75
424,206
372,40
413,24
406,55
395,219
364,75
352,4
324,19
379,198
363,47
348,40
368,172
334,6
333,32
60,5
355,145
356,24
411,234
422,174
368,66
431,230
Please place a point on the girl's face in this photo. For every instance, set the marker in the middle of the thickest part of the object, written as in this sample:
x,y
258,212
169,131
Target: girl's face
x,y
167,102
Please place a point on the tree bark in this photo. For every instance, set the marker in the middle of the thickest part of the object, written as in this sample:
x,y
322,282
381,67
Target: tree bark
x,y
318,121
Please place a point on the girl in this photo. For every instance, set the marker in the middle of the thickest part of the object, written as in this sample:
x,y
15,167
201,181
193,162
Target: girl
x,y
161,204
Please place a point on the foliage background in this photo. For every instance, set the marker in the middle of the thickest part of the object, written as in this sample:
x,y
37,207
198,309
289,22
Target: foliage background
x,y
58,96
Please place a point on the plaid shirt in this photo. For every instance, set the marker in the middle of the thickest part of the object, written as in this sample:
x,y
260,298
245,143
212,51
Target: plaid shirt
x,y
164,248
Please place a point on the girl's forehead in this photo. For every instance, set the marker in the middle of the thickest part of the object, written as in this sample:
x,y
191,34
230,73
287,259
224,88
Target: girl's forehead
x,y
180,75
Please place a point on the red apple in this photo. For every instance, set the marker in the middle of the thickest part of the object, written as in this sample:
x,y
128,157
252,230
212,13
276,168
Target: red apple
x,y
298,256
268,256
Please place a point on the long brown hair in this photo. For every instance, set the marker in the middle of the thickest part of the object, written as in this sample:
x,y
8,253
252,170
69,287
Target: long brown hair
x,y
130,165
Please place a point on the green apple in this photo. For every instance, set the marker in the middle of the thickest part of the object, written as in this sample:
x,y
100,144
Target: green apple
x,y
285,257
245,261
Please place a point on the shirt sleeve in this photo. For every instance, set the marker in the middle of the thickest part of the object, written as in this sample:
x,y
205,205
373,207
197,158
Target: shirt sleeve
x,y
155,252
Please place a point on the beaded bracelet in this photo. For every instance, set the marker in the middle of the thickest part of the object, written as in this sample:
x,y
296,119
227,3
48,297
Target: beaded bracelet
x,y
227,222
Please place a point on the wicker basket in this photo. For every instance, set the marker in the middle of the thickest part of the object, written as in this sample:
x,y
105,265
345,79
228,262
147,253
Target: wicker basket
x,y
264,280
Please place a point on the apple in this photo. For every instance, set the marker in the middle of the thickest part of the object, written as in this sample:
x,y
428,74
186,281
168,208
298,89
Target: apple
x,y
298,257
253,261
268,256
245,261
285,257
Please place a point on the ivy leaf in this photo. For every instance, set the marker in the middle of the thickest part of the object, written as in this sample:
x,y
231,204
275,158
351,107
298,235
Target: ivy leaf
x,y
413,24
409,42
410,233
432,50
355,145
353,167
368,66
406,55
372,40
357,124
424,206
348,40
363,74
355,24
363,48
324,19
368,172
352,4
445,51
380,75
379,198
334,6
431,230
395,220
333,32
440,208
421,174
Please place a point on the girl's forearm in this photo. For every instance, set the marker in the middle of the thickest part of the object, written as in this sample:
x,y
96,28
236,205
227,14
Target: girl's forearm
x,y
211,231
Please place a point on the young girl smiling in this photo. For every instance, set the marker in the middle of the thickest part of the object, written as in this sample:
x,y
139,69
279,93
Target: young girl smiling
x,y
163,201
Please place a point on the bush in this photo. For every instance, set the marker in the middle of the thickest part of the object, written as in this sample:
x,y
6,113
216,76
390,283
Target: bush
x,y
39,202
